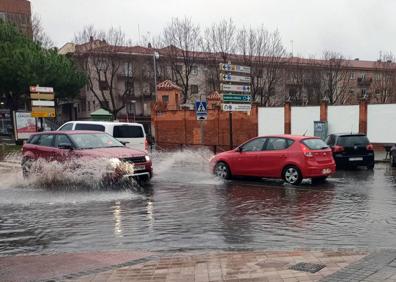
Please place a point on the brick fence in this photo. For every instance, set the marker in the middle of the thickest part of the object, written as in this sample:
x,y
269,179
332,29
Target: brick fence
x,y
178,128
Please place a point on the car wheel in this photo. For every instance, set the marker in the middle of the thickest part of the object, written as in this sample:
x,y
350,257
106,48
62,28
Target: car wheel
x,y
26,167
292,175
222,170
318,180
393,161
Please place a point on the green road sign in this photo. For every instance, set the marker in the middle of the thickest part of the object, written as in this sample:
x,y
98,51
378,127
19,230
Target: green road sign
x,y
237,98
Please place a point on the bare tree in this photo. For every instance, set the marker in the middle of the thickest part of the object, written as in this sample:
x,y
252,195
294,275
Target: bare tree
x,y
336,78
384,83
295,81
39,35
183,40
221,38
110,72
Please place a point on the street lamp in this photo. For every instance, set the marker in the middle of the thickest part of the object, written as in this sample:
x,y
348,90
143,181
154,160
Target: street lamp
x,y
155,58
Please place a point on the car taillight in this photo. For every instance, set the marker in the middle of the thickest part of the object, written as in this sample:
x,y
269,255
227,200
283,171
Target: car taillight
x,y
370,147
306,151
337,149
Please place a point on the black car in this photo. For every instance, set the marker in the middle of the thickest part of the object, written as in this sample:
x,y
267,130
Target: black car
x,y
351,150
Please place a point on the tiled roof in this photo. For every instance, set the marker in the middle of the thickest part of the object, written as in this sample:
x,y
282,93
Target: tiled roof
x,y
214,96
235,58
167,85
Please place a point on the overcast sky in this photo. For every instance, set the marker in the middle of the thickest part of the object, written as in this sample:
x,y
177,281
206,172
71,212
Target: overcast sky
x,y
356,28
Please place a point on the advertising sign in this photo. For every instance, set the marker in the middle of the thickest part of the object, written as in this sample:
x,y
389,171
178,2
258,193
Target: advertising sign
x,y
24,125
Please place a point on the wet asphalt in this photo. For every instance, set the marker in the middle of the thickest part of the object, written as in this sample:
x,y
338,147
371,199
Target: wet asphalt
x,y
186,208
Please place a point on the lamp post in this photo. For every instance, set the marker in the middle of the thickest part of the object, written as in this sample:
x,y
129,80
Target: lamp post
x,y
155,58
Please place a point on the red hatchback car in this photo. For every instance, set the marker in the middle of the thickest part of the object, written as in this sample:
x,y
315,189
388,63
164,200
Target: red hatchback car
x,y
64,146
289,157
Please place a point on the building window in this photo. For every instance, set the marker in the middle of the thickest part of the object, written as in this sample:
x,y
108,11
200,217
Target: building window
x,y
103,85
83,105
89,106
194,70
165,99
179,68
93,105
194,89
352,75
378,76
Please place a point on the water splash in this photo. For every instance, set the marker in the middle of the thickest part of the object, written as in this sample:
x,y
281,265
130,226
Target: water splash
x,y
77,174
187,166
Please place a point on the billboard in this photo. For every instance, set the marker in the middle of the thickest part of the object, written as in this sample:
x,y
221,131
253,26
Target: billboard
x,y
24,125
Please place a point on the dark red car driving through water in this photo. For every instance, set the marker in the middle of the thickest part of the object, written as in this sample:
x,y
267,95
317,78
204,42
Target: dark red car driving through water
x,y
291,158
65,146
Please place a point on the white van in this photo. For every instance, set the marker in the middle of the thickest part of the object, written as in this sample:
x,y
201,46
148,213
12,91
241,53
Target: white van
x,y
132,133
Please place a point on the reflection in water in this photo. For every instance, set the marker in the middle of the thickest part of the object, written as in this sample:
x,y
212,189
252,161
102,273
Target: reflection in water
x,y
117,219
185,207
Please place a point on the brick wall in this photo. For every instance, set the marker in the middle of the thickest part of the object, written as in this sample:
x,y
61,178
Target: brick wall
x,y
176,128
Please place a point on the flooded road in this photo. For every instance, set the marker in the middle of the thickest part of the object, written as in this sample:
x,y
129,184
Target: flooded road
x,y
186,208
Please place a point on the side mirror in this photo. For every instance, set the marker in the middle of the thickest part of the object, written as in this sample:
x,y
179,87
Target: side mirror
x,y
65,146
124,142
239,149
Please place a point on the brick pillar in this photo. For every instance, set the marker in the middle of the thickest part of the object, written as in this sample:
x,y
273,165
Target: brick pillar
x,y
323,110
287,117
363,116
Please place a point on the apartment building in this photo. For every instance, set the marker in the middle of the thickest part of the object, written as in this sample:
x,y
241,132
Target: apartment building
x,y
17,12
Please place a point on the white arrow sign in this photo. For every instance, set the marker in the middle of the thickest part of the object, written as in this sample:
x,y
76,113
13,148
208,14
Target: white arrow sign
x,y
234,68
236,88
235,78
236,107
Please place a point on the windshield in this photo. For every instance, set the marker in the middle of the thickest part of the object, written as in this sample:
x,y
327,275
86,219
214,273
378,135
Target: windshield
x,y
94,140
315,144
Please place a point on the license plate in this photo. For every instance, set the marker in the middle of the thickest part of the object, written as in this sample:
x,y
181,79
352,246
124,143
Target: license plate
x,y
139,167
355,159
326,171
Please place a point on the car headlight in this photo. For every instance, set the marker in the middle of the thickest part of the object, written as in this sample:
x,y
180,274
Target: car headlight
x,y
113,163
147,157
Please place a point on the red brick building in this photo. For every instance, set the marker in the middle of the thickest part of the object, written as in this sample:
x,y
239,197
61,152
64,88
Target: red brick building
x,y
17,12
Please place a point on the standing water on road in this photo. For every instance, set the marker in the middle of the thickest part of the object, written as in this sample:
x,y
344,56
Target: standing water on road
x,y
186,207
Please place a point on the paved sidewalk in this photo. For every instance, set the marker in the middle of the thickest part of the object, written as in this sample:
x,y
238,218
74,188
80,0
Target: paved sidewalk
x,y
378,266
229,266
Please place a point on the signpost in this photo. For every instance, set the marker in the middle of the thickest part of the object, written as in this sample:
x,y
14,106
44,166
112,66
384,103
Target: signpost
x,y
201,110
235,88
43,104
236,107
236,98
235,78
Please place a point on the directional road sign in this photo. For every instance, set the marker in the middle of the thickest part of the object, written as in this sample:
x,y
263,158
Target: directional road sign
x,y
43,105
234,78
234,68
227,97
236,107
39,89
201,110
44,112
236,88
